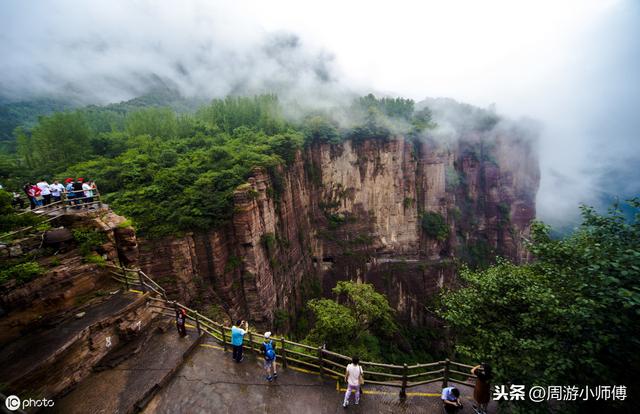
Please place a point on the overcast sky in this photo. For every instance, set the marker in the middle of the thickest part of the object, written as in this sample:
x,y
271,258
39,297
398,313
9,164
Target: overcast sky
x,y
572,64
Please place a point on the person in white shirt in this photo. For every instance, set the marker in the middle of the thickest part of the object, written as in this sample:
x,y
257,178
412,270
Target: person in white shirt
x,y
45,192
354,377
56,191
88,192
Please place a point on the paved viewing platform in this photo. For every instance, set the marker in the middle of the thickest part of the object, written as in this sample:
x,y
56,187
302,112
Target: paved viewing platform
x,y
210,381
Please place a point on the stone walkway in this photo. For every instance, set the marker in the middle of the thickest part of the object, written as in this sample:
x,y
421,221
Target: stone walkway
x,y
210,381
118,389
42,345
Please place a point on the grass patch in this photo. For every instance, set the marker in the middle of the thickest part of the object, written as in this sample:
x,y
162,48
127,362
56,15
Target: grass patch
x,y
21,272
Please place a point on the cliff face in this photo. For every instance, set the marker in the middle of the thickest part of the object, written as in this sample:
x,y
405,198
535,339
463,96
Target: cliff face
x,y
394,212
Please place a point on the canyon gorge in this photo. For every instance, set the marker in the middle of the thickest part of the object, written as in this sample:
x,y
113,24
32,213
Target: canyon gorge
x,y
400,213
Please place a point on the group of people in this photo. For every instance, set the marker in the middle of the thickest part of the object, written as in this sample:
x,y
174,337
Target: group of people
x,y
77,191
267,348
238,331
354,374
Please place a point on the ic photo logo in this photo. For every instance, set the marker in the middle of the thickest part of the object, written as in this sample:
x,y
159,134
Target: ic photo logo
x,y
12,402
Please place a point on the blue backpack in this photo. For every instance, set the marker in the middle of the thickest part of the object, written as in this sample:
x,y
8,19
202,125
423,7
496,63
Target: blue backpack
x,y
269,353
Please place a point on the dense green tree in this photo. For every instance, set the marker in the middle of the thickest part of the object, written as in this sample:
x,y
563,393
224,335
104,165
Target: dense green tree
x,y
355,322
155,122
434,225
172,172
57,142
10,220
321,128
260,112
569,317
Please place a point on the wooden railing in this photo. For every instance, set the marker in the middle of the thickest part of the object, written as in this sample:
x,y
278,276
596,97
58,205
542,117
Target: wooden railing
x,y
316,359
64,204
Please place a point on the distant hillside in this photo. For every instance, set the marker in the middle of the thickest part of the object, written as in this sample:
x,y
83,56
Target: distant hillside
x,y
26,113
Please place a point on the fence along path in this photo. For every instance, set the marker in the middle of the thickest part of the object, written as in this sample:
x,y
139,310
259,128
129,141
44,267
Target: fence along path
x,y
317,359
58,208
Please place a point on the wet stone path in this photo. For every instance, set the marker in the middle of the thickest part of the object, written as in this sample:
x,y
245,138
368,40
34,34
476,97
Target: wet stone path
x,y
211,382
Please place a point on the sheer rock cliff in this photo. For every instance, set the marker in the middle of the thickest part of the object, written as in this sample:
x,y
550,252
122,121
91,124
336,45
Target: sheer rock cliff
x,y
398,213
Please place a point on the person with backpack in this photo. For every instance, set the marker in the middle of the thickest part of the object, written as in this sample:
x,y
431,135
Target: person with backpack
x,y
269,353
237,338
451,400
354,377
482,389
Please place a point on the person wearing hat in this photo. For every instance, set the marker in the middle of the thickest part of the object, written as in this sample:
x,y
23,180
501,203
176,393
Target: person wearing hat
x,y
269,352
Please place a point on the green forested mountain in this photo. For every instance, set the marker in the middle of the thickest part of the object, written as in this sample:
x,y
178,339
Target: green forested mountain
x,y
161,167
25,114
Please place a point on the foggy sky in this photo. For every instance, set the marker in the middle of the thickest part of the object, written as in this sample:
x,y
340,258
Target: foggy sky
x,y
574,65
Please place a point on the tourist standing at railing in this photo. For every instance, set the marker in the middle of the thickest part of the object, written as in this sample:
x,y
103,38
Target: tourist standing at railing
x,y
482,389
354,377
94,190
56,191
237,338
28,190
35,194
181,321
68,187
88,193
77,191
45,191
268,350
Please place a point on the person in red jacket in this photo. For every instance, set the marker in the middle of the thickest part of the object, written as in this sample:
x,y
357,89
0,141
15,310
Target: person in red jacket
x,y
35,192
30,194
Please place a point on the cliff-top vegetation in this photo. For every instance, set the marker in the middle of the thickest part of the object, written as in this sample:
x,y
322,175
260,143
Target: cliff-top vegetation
x,y
170,171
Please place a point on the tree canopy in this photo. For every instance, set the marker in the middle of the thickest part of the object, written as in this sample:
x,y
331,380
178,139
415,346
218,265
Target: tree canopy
x,y
571,316
355,322
170,171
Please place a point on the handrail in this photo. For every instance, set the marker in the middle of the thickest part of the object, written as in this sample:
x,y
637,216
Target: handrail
x,y
308,356
64,199
2,236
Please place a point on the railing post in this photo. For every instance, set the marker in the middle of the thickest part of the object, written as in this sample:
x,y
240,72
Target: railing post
x,y
445,374
284,352
250,340
198,322
126,281
405,373
141,280
224,339
320,363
